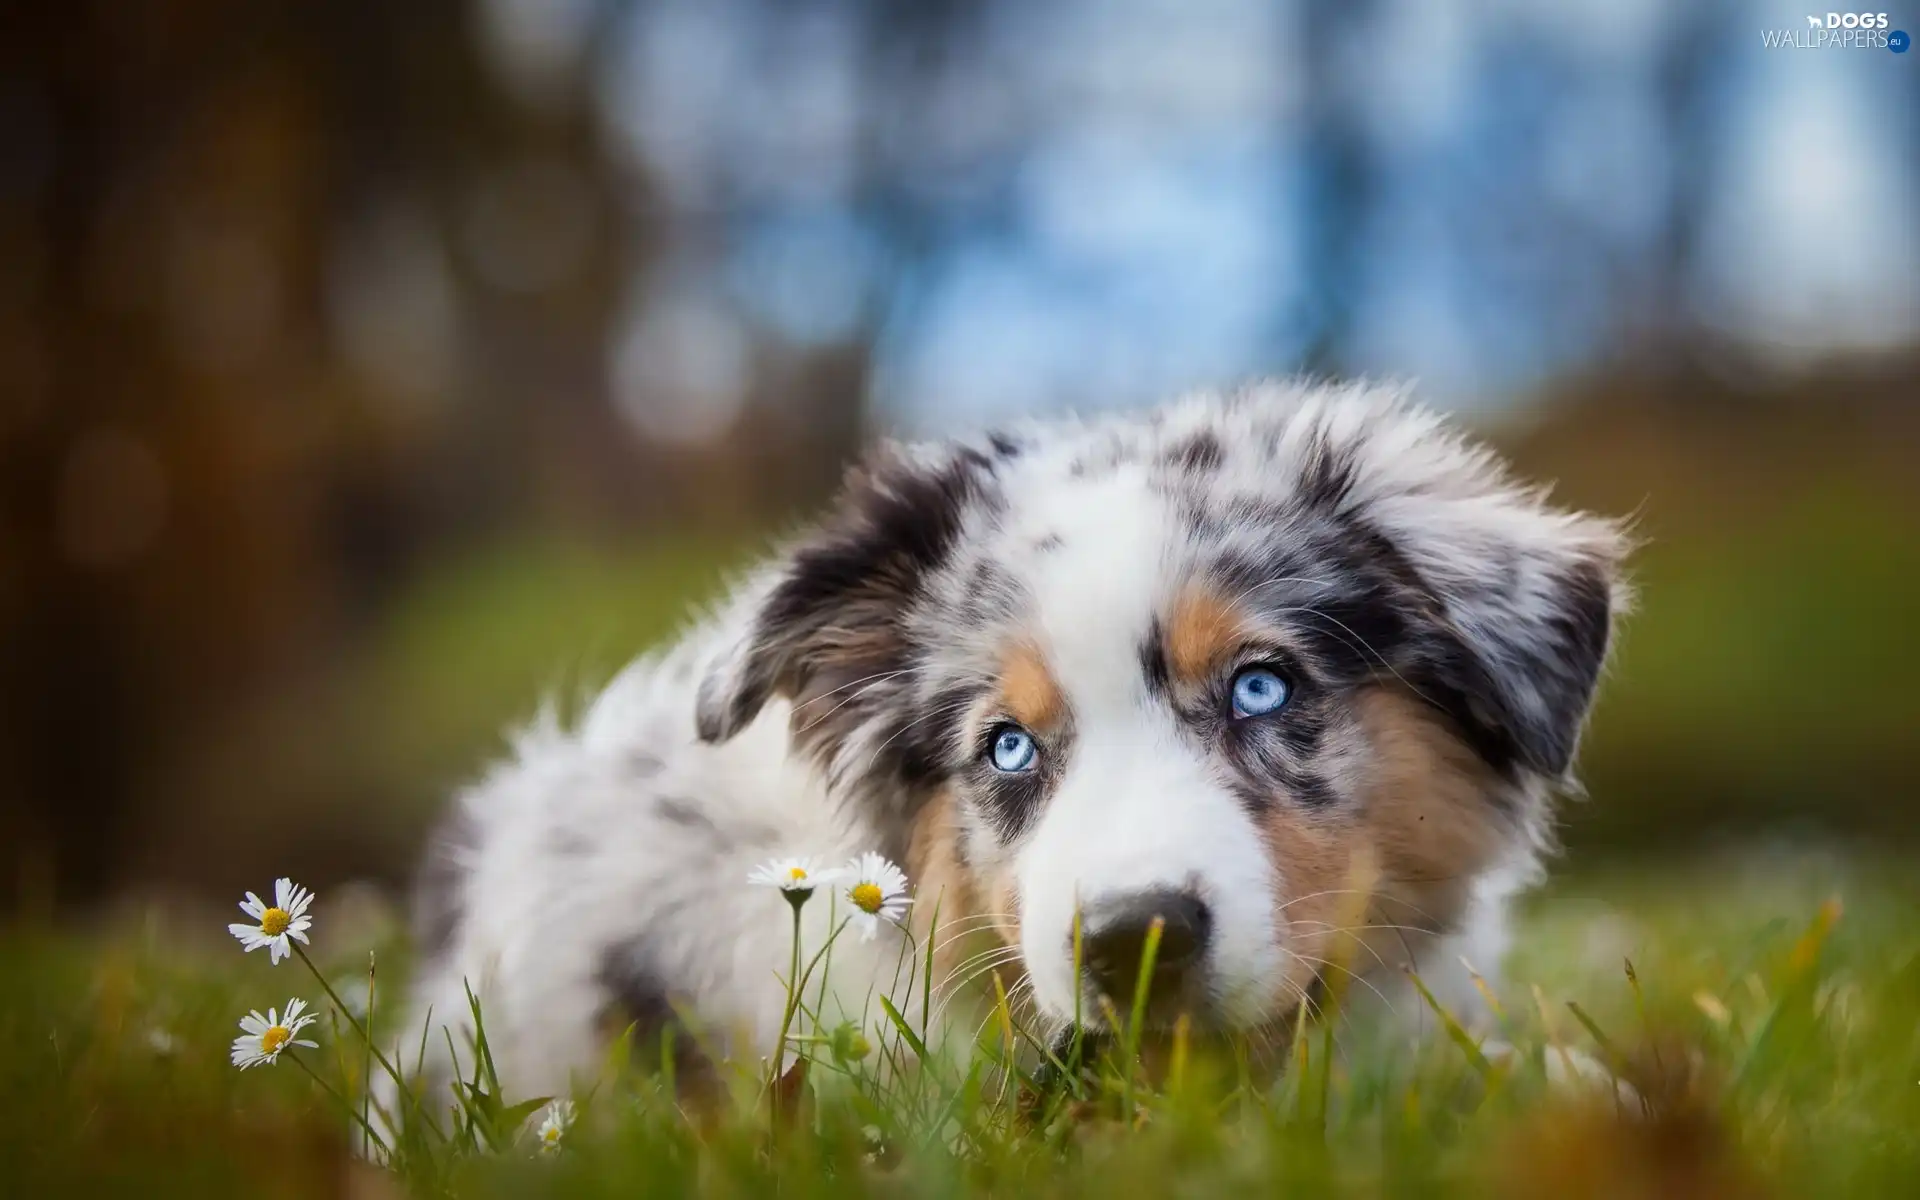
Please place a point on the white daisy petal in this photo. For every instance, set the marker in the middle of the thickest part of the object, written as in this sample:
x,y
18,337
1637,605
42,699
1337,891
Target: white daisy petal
x,y
557,1120
266,1037
280,924
792,875
876,890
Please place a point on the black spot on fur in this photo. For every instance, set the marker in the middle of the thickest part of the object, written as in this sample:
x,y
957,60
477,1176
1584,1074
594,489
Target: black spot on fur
x,y
1012,802
1578,632
1003,445
916,755
1153,659
634,995
1517,686
1048,543
1351,614
1327,473
903,525
1514,685
1586,620
1300,727
1200,454
686,814
1304,789
987,578
1274,757
839,608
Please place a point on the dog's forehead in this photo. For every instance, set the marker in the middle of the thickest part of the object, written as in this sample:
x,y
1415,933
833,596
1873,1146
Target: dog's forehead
x,y
1100,553
1139,506
1095,534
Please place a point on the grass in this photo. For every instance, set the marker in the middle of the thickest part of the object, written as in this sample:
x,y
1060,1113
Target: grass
x,y
1767,1018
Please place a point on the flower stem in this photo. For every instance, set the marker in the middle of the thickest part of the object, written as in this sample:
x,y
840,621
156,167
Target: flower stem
x,y
348,1014
793,992
366,1065
399,1080
345,1104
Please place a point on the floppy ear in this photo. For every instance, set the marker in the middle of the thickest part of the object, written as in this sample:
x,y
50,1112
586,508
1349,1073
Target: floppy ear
x,y
1525,600
832,611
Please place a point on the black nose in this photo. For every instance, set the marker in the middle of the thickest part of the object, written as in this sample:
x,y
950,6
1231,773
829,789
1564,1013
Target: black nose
x,y
1114,938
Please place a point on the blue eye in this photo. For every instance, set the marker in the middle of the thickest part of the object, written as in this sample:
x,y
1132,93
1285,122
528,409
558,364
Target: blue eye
x,y
1258,691
1013,749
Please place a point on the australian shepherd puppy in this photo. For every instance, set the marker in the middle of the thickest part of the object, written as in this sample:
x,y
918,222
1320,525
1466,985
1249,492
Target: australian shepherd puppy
x,y
1295,670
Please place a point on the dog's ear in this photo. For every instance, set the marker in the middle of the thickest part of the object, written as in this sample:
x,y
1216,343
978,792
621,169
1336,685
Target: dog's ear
x,y
832,610
1523,600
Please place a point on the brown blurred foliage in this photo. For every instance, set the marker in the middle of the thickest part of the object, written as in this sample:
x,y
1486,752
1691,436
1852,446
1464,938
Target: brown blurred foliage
x,y
201,496
237,428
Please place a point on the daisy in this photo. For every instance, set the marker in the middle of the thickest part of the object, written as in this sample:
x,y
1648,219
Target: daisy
x,y
554,1126
878,889
797,877
267,1036
285,918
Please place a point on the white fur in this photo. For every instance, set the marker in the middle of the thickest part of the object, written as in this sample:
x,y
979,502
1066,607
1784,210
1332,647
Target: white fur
x,y
1138,808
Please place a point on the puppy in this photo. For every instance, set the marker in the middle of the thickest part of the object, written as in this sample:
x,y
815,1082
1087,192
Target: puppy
x,y
1294,671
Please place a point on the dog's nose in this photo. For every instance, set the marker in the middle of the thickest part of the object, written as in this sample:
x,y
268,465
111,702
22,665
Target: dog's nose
x,y
1114,938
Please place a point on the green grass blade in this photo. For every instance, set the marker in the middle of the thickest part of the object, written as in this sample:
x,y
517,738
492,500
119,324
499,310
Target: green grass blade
x,y
906,1031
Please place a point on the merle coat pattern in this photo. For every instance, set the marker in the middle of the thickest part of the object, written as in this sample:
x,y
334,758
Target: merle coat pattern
x,y
1106,594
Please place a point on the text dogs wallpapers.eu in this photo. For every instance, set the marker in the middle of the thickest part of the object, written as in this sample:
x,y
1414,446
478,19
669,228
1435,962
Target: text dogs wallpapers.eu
x,y
1295,670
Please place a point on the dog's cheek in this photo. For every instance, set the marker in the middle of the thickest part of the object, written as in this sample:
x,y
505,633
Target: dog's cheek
x,y
968,888
1436,813
1004,898
1318,858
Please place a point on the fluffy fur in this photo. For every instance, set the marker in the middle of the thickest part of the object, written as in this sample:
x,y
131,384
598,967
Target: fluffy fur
x,y
1096,584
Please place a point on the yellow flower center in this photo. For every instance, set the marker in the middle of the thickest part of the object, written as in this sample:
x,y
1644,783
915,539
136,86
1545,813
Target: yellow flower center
x,y
796,874
275,1037
867,895
274,922
551,1133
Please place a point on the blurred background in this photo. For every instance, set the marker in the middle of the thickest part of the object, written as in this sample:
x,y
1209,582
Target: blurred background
x,y
371,371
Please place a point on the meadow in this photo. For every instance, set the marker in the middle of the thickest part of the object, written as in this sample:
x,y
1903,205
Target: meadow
x,y
1761,1006
1768,1024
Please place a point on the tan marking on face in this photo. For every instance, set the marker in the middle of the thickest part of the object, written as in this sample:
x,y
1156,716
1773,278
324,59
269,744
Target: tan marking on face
x,y
1202,629
1424,824
1428,799
944,888
1028,689
1311,855
1006,907
942,880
